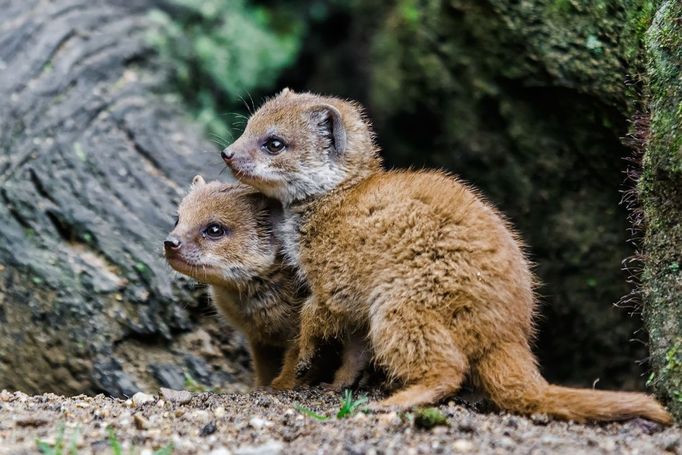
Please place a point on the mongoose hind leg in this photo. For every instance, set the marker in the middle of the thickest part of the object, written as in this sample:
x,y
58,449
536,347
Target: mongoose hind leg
x,y
355,359
423,356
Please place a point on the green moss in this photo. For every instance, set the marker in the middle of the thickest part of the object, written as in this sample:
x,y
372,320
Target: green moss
x,y
219,53
659,190
429,417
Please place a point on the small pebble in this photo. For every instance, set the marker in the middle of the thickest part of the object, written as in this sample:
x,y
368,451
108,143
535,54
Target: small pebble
x,y
208,429
258,423
141,423
176,396
141,398
220,451
269,448
219,412
462,446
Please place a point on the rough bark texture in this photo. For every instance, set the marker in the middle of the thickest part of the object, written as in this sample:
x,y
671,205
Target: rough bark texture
x,y
661,193
92,164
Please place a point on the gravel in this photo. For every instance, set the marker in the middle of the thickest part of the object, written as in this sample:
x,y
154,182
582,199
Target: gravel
x,y
262,422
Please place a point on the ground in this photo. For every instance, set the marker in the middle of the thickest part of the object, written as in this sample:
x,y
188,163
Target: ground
x,y
261,422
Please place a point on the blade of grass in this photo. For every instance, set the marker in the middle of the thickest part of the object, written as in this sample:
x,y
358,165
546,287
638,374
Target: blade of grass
x,y
309,412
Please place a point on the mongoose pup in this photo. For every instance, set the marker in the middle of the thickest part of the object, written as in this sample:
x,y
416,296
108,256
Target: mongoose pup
x,y
223,237
431,270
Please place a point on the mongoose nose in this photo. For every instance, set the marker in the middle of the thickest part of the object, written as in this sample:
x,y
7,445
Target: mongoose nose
x,y
227,154
171,243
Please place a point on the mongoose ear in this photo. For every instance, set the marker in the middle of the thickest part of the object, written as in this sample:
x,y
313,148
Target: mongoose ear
x,y
198,181
328,120
286,91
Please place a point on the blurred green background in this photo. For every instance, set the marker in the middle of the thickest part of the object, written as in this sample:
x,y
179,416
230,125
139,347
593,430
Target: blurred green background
x,y
529,101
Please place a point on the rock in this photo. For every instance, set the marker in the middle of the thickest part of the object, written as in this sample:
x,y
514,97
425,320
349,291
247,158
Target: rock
x,y
391,419
462,446
219,412
208,429
141,398
141,423
31,422
258,423
220,451
198,369
176,396
169,376
269,448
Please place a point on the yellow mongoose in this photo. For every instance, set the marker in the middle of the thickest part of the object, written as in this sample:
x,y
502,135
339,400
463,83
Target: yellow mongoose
x,y
224,238
432,272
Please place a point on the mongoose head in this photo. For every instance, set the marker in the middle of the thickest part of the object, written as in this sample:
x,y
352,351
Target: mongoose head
x,y
300,145
223,234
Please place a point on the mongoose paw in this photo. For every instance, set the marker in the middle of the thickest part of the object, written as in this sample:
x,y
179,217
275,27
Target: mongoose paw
x,y
281,383
302,369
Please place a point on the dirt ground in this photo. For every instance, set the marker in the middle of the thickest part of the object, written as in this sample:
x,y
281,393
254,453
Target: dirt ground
x,y
261,422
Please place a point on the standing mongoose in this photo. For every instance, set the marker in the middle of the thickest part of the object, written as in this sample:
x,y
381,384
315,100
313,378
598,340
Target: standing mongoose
x,y
223,237
433,273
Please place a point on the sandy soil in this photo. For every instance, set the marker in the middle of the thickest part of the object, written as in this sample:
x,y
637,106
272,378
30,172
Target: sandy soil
x,y
261,422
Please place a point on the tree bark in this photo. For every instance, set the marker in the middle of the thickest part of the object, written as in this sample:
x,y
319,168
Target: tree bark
x,y
92,165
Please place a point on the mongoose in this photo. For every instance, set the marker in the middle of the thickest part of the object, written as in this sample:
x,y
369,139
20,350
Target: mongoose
x,y
432,271
223,237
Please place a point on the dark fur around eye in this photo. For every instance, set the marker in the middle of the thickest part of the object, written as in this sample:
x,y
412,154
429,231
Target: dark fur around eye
x,y
214,231
274,145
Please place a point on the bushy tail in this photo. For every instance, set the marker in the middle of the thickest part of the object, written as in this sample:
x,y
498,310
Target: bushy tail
x,y
510,376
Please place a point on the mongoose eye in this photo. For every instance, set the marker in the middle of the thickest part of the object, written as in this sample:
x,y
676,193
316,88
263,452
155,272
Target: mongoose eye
x,y
214,231
177,220
274,146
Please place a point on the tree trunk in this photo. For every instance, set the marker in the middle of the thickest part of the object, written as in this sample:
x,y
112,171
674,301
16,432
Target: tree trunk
x,y
92,165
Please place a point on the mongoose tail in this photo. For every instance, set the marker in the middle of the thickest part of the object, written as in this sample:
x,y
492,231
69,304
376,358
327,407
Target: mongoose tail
x,y
510,376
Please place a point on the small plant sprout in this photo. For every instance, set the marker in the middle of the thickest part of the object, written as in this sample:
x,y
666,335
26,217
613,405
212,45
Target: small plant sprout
x,y
350,406
58,447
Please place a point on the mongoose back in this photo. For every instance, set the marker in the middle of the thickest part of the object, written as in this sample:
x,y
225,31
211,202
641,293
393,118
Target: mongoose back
x,y
223,237
432,271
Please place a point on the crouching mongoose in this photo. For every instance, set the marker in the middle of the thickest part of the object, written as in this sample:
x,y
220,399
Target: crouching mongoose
x,y
433,273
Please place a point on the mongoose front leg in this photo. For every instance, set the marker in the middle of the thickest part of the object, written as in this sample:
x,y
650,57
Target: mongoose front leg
x,y
267,361
313,326
287,376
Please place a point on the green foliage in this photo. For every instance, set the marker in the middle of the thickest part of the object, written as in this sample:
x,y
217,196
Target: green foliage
x,y
306,411
117,448
193,385
220,51
429,417
350,406
58,448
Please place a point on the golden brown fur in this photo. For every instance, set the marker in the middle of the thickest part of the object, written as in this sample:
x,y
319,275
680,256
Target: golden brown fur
x,y
432,273
250,286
